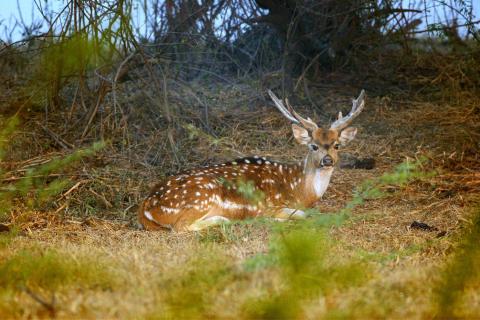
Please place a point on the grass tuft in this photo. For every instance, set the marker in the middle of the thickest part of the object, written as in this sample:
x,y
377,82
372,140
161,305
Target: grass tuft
x,y
460,273
50,270
192,293
308,269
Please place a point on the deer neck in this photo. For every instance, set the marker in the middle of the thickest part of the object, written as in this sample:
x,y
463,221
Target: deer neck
x,y
316,179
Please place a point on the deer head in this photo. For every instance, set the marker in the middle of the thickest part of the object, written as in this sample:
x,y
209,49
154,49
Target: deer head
x,y
323,144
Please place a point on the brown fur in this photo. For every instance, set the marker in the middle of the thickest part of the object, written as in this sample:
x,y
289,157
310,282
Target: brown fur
x,y
326,139
201,193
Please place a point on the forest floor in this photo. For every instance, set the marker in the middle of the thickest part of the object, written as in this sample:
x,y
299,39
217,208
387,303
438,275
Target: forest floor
x,y
84,257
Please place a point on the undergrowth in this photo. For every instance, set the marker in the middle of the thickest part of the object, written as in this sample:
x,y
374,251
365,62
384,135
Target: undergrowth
x,y
38,184
461,272
40,275
192,293
50,270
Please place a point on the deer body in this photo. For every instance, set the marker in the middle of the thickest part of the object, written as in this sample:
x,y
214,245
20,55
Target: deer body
x,y
250,187
216,191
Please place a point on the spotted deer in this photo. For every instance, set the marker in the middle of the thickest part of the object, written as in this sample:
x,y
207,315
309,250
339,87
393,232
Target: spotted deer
x,y
255,186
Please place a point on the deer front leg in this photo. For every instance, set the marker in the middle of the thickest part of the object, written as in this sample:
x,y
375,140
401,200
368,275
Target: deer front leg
x,y
207,222
284,214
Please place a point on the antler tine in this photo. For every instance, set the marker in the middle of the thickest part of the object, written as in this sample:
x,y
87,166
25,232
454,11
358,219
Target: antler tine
x,y
357,107
295,118
307,123
281,107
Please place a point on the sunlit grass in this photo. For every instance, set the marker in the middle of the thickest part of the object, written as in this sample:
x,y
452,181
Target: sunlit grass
x,y
34,280
304,259
461,273
48,269
193,293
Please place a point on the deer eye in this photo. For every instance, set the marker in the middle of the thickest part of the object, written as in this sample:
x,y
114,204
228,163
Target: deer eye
x,y
337,145
313,147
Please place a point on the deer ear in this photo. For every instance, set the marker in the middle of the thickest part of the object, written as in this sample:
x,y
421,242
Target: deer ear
x,y
347,135
301,134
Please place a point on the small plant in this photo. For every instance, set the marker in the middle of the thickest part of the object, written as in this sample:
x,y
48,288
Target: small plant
x,y
245,189
402,175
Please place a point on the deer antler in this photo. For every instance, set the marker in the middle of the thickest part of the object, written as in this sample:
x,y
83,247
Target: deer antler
x,y
357,107
295,118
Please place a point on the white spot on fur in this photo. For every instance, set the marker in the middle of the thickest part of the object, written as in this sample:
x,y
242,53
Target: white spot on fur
x,y
148,215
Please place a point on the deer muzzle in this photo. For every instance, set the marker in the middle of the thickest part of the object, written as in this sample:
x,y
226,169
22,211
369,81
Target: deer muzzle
x,y
327,161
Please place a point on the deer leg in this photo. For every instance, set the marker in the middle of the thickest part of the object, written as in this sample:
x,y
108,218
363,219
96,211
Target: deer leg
x,y
207,222
289,214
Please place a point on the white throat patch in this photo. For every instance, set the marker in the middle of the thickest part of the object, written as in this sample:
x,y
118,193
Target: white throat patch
x,y
321,181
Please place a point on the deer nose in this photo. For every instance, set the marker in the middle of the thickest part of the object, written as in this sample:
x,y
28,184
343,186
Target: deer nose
x,y
327,161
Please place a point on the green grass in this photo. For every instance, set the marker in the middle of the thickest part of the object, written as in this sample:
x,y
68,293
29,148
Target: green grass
x,y
6,238
460,273
190,293
34,280
50,270
304,259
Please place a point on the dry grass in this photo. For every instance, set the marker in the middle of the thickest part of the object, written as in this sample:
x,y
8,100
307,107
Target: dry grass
x,y
237,271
